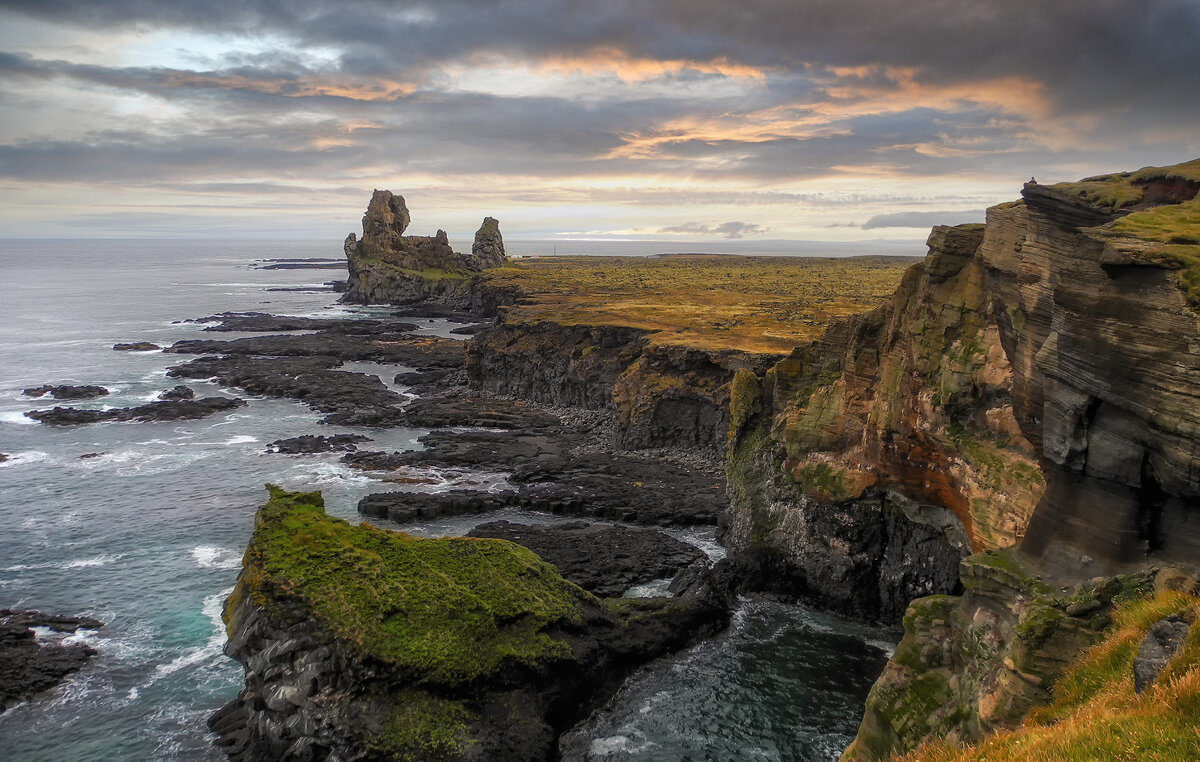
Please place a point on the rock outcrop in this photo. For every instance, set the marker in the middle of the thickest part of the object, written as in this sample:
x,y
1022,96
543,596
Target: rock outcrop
x,y
389,267
488,248
1088,288
665,395
362,643
29,665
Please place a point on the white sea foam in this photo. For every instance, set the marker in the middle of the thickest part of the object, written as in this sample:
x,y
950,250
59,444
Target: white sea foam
x,y
653,589
212,557
240,439
18,417
79,563
26,457
213,604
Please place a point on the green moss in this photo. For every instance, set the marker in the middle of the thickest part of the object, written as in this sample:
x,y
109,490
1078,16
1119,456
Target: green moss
x,y
1123,188
447,610
825,479
745,401
424,728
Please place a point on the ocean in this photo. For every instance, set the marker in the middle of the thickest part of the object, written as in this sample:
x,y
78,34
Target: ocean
x,y
142,525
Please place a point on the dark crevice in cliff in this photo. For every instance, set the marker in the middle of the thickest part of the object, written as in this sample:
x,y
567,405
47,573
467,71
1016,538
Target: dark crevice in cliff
x,y
1150,501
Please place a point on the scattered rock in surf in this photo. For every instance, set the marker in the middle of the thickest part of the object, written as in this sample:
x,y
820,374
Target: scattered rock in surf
x,y
3,458
29,666
309,443
137,346
66,392
89,455
154,411
176,393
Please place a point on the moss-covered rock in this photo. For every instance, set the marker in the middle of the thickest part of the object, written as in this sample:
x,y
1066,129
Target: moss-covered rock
x,y
365,643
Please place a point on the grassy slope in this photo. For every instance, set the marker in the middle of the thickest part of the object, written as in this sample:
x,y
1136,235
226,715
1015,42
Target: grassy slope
x,y
756,304
1096,715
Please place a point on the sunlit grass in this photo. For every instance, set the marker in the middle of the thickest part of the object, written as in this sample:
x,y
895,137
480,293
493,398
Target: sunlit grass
x,y
756,304
1096,714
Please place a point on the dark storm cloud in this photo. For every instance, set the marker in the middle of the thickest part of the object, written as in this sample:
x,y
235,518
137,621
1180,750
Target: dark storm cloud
x,y
922,219
1097,54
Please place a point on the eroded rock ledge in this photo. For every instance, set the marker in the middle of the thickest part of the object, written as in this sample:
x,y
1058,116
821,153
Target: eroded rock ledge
x,y
363,643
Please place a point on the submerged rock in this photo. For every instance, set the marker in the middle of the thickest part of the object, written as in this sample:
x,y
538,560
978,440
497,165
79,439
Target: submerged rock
x,y
137,346
66,392
363,643
29,666
153,411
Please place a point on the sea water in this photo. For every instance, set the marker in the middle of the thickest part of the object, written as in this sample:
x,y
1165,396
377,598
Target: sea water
x,y
142,525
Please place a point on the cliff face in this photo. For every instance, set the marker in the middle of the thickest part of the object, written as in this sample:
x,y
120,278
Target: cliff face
x,y
389,267
664,395
1088,289
360,643
1105,352
864,466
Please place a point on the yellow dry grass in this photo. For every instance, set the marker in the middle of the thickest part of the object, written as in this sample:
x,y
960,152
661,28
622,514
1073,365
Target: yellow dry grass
x,y
1096,714
755,304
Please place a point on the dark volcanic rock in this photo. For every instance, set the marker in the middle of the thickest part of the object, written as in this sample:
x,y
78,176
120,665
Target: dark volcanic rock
x,y
65,392
308,443
384,345
1158,648
460,407
266,323
350,398
410,506
137,346
601,558
152,411
28,667
180,392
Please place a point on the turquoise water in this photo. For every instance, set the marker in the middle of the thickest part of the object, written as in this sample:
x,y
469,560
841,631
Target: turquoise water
x,y
147,534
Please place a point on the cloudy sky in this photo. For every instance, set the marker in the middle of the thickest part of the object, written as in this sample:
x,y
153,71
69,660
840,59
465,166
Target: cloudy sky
x,y
678,119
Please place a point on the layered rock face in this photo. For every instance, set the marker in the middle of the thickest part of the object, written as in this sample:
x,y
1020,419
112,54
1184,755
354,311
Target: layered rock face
x,y
389,267
864,466
664,395
1106,356
360,643
1088,286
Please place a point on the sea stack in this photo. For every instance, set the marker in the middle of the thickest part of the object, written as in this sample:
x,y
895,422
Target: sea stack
x,y
389,267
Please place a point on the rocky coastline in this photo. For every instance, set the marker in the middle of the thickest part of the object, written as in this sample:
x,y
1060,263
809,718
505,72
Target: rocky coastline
x,y
1000,457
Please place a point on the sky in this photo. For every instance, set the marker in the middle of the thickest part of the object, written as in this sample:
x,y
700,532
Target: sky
x,y
838,120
